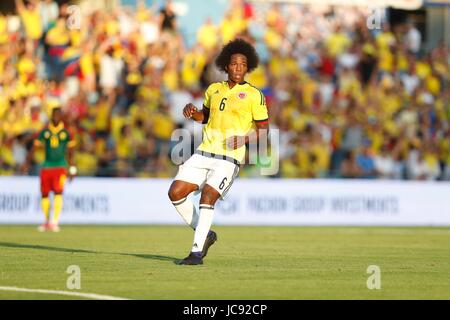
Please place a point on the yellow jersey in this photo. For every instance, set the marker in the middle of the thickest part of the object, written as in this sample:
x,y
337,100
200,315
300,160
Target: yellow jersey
x,y
232,112
32,23
4,36
206,36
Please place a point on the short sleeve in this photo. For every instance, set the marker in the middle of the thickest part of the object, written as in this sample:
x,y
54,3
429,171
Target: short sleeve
x,y
259,107
71,140
39,141
208,93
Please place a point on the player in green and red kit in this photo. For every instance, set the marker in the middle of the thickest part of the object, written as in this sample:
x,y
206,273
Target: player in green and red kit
x,y
58,143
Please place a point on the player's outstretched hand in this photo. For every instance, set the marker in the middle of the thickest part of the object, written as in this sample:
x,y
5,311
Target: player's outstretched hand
x,y
72,173
189,110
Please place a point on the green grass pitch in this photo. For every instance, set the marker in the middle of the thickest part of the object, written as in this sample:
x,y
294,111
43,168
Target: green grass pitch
x,y
137,262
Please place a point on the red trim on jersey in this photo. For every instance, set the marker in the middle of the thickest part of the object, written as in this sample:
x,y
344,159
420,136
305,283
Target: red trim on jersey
x,y
262,122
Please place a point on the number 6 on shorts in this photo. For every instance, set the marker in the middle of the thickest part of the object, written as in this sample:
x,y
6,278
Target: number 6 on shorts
x,y
222,185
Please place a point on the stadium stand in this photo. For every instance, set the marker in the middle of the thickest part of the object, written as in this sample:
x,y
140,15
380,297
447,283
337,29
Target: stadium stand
x,y
349,102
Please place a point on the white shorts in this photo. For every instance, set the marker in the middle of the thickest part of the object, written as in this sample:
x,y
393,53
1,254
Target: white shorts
x,y
201,170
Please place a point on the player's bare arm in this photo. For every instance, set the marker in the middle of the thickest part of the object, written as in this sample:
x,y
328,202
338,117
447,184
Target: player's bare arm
x,y
70,159
191,112
236,142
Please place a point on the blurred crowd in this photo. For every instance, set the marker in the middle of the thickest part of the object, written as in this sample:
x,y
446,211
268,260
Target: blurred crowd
x,y
348,101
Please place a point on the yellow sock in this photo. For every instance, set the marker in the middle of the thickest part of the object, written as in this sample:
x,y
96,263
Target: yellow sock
x,y
45,205
57,208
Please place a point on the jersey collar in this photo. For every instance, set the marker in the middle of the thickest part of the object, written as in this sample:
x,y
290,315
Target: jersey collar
x,y
237,84
55,129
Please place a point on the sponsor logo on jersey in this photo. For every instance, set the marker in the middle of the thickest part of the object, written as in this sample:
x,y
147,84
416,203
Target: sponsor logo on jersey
x,y
62,136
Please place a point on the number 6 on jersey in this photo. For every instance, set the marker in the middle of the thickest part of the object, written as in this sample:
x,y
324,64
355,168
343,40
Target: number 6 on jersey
x,y
222,104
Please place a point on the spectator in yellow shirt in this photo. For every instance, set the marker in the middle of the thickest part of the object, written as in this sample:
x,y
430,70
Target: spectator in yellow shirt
x,y
58,39
386,38
207,35
193,63
87,68
3,29
26,66
31,18
227,29
124,144
337,42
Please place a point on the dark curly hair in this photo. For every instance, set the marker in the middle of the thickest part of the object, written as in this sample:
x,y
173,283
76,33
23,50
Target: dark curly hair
x,y
237,46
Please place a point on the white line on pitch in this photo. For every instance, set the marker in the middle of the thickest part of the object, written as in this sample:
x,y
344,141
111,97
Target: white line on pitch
x,y
65,293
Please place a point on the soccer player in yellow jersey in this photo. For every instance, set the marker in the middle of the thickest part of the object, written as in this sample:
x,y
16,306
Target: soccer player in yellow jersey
x,y
231,110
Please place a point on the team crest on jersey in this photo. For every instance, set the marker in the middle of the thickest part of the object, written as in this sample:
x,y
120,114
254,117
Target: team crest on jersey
x,y
46,135
242,95
62,136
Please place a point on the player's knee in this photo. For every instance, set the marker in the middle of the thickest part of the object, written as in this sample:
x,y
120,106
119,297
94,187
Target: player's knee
x,y
172,194
175,192
208,199
209,196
